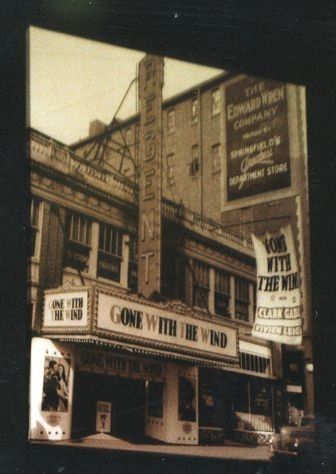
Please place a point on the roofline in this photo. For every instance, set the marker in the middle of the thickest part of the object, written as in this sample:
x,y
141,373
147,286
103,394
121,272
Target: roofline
x,y
202,86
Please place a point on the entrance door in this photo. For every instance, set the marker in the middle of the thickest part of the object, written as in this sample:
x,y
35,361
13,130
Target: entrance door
x,y
89,389
129,408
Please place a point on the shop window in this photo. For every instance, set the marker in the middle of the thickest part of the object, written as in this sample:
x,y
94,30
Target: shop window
x,y
201,285
170,169
78,241
241,299
215,103
260,392
215,158
34,227
155,399
171,121
195,162
194,110
254,363
109,252
133,264
222,293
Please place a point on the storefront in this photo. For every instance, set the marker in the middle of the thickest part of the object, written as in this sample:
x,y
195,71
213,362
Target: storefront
x,y
123,365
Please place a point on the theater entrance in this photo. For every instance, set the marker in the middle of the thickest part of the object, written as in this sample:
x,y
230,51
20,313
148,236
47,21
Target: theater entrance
x,y
126,398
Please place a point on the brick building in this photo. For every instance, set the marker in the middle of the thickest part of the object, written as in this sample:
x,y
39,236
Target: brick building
x,y
181,364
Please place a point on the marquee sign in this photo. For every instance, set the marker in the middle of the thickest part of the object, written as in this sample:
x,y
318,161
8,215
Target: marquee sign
x,y
66,309
152,326
257,137
279,309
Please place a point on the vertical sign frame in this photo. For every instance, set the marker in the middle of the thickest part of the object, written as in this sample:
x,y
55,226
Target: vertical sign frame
x,y
150,193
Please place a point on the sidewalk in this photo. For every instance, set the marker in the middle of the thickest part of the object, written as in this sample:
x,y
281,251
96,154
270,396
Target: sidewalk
x,y
108,442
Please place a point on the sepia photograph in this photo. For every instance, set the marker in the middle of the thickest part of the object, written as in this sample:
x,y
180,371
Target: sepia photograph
x,y
174,285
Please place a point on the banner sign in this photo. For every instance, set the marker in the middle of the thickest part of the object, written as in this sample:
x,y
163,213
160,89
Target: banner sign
x,y
279,309
151,325
68,309
256,137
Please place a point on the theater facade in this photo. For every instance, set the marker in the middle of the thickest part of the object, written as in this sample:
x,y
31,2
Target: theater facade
x,y
142,304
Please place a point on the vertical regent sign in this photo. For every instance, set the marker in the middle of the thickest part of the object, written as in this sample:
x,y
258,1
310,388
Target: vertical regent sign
x,y
149,241
279,309
257,137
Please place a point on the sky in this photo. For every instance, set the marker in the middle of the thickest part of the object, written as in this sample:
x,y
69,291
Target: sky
x,y
72,81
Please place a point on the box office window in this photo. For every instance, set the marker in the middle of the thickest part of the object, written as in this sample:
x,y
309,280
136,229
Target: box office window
x,y
222,293
109,252
201,284
78,242
241,299
34,227
155,399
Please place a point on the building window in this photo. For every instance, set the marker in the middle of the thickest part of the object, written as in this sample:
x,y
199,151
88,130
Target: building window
x,y
77,246
242,300
194,110
79,229
201,285
170,169
215,158
171,121
255,363
133,263
195,163
34,226
109,252
215,103
222,293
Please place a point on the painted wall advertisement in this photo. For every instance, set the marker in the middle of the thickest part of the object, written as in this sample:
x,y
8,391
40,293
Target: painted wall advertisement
x,y
279,309
257,137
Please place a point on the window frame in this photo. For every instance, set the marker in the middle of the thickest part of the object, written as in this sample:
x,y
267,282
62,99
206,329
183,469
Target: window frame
x,y
171,121
215,169
194,110
215,102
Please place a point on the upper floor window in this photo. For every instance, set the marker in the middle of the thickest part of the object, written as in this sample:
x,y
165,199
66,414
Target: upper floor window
x,y
110,240
133,263
79,229
195,164
77,246
171,121
194,110
215,103
109,252
34,226
201,284
170,168
242,299
215,158
222,293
